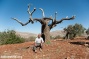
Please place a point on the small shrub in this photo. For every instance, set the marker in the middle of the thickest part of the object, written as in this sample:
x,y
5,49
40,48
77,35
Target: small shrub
x,y
87,31
51,37
9,37
48,42
88,38
58,37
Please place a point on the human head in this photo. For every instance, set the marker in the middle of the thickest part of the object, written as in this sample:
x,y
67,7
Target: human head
x,y
39,35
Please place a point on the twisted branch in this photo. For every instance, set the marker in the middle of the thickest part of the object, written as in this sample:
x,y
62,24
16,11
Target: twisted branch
x,y
57,22
21,22
30,18
42,12
30,13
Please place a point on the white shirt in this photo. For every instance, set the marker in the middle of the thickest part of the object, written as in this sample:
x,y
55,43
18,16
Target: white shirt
x,y
39,40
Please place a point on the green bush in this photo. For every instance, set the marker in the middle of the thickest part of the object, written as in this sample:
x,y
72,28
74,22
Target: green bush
x,y
74,30
9,37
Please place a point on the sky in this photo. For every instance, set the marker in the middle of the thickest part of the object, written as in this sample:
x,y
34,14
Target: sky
x,y
18,9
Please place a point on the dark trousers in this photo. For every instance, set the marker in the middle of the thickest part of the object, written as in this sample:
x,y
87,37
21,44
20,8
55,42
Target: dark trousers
x,y
37,45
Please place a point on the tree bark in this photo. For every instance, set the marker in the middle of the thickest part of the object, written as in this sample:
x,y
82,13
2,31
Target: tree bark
x,y
46,31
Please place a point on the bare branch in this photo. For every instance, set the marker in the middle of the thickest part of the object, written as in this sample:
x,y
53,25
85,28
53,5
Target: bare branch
x,y
55,15
42,12
54,19
52,25
39,20
66,16
57,22
65,19
30,18
30,13
21,22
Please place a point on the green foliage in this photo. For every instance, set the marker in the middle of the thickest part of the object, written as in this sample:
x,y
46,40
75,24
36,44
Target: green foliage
x,y
78,29
87,31
48,42
9,37
74,30
69,29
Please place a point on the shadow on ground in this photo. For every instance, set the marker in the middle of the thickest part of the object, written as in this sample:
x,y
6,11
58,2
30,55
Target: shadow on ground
x,y
80,43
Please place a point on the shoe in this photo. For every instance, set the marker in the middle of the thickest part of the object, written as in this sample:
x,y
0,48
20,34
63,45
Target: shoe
x,y
41,50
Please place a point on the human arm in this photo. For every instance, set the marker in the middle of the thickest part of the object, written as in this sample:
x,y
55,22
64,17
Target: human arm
x,y
42,41
35,42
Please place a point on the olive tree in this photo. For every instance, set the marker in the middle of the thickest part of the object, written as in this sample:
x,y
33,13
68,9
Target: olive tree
x,y
45,26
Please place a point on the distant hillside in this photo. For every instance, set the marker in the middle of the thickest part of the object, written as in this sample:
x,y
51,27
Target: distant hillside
x,y
25,34
57,32
53,33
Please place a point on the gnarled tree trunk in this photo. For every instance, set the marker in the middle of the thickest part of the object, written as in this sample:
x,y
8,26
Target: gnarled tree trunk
x,y
46,31
44,22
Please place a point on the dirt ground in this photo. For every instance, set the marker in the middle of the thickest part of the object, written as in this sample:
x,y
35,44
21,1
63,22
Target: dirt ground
x,y
54,49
